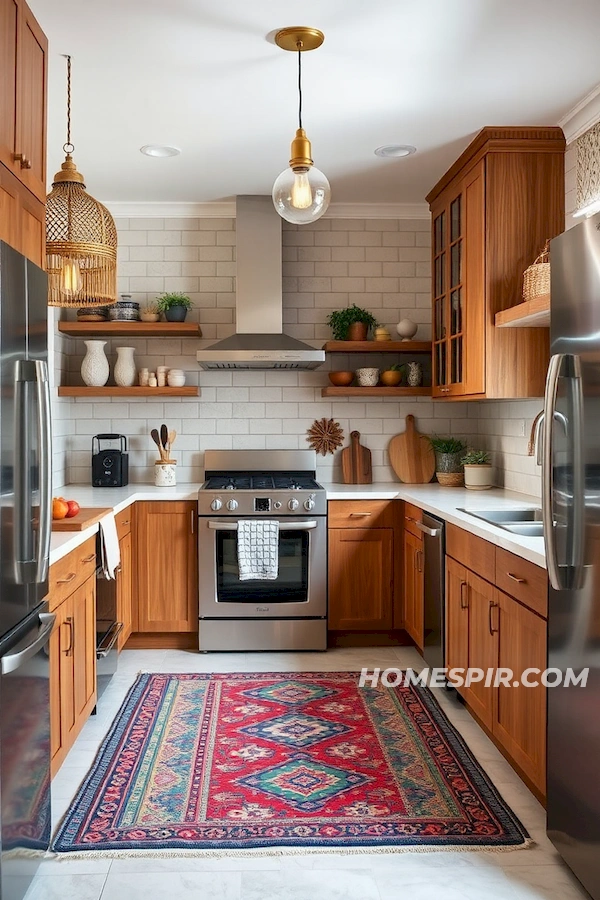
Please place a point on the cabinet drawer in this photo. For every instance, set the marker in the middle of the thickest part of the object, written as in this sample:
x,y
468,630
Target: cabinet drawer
x,y
71,571
360,513
123,520
473,552
413,514
523,580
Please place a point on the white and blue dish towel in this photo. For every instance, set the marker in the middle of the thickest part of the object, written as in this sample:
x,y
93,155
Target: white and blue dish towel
x,y
258,549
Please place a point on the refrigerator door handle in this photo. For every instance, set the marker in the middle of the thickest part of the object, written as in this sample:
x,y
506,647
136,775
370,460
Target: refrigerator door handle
x,y
23,561
45,460
578,529
14,661
554,368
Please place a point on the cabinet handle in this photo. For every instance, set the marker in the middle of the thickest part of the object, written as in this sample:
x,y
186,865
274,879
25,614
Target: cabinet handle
x,y
409,519
193,516
360,515
70,577
444,390
69,622
464,598
492,629
89,558
516,578
20,158
419,560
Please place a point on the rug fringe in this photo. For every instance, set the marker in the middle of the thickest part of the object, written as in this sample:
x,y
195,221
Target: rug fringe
x,y
280,851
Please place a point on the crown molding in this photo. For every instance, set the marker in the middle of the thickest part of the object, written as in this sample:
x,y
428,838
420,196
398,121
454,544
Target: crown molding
x,y
226,210
583,116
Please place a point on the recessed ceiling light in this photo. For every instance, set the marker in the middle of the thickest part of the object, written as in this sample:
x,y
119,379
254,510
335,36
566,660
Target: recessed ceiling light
x,y
395,151
159,151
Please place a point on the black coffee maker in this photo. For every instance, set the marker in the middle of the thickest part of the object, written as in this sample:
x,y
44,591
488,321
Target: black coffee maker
x,y
110,465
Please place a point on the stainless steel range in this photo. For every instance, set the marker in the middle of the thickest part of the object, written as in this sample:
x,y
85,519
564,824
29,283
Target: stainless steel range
x,y
289,612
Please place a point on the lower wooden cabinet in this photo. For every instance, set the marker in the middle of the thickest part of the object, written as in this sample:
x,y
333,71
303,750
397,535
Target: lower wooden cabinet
x,y
487,629
166,566
413,587
72,654
125,590
361,579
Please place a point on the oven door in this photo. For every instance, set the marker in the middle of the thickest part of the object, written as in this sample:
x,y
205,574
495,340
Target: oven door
x,y
299,591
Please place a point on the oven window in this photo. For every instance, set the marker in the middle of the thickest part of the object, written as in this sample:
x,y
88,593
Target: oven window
x,y
291,585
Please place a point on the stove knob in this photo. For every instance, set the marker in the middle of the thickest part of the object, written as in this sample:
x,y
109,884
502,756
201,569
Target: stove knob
x,y
216,504
277,504
232,504
293,504
309,504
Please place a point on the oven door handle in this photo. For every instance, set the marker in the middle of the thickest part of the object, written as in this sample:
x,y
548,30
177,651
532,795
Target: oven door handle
x,y
109,640
291,526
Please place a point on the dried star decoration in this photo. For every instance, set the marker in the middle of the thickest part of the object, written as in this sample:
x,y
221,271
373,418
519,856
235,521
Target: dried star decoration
x,y
325,436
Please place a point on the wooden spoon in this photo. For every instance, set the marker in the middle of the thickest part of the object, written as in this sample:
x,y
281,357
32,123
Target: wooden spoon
x,y
172,436
164,438
155,437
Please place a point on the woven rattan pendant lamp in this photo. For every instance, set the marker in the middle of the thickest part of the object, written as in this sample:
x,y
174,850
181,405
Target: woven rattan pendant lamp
x,y
81,238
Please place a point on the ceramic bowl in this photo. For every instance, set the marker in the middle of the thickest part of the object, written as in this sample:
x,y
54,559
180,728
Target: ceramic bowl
x,y
391,378
176,378
341,379
367,377
149,317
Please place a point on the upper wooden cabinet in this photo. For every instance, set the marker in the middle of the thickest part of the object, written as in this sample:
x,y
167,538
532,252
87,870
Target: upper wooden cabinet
x,y
491,214
23,91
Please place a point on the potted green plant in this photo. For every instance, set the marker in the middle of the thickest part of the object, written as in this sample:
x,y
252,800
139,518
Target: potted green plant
x,y
392,376
448,459
351,323
478,470
174,306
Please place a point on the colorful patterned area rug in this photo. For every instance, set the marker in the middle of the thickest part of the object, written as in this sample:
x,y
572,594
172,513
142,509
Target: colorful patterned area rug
x,y
236,762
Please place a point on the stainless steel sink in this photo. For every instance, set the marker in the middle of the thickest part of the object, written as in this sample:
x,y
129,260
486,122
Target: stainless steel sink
x,y
525,521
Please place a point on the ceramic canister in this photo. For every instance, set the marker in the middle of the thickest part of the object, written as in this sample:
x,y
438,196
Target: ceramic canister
x,y
165,474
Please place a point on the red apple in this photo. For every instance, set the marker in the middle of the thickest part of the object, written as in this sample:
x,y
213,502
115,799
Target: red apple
x,y
73,508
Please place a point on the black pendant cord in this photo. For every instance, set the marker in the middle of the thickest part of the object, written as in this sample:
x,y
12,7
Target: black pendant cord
x,y
299,88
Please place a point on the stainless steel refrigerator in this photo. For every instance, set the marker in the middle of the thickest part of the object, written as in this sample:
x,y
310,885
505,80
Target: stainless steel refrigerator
x,y
25,519
571,506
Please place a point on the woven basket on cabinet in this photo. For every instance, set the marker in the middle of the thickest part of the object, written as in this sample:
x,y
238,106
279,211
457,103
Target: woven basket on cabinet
x,y
536,279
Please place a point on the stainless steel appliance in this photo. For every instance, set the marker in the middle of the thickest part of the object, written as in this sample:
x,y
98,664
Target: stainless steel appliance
x,y
289,613
433,572
108,628
571,516
25,624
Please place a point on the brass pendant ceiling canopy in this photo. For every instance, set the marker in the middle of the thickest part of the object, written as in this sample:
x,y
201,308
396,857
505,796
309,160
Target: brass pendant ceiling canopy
x,y
301,194
81,237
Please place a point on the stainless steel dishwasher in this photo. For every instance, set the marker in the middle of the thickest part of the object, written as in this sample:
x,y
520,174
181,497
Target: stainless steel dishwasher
x,y
434,600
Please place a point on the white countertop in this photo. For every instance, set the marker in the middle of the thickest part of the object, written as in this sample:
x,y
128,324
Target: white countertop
x,y
434,498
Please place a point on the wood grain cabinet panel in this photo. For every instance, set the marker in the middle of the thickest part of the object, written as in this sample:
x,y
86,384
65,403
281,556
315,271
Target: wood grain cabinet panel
x,y
360,579
413,587
22,218
473,552
522,579
457,616
9,31
32,53
125,589
483,645
166,587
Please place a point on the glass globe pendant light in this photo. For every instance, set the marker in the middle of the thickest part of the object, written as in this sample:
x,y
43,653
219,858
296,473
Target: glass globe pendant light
x,y
301,194
81,238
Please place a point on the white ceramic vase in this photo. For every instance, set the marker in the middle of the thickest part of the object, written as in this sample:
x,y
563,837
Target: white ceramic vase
x,y
94,368
125,371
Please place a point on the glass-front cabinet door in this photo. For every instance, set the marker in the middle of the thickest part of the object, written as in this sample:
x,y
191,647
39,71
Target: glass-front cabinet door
x,y
448,298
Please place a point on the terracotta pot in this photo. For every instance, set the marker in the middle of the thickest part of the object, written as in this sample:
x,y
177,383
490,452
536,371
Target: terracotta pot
x,y
391,378
357,332
341,379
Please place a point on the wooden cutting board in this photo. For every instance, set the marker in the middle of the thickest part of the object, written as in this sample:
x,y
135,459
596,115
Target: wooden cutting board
x,y
356,462
85,517
411,455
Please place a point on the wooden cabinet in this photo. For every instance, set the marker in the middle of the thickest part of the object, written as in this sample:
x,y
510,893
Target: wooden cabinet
x,y
23,90
363,549
491,214
125,590
413,587
490,630
72,653
22,218
360,579
166,563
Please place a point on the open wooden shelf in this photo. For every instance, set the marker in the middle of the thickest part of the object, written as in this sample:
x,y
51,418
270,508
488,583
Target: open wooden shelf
x,y
112,390
375,391
377,347
530,314
130,329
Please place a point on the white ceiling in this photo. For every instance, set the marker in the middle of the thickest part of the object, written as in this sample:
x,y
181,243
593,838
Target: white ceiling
x,y
202,75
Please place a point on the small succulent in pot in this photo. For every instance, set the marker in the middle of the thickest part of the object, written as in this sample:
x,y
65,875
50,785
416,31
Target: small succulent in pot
x,y
448,459
478,470
392,376
174,306
351,323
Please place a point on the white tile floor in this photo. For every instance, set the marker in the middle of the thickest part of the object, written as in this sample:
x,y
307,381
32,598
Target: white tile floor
x,y
535,874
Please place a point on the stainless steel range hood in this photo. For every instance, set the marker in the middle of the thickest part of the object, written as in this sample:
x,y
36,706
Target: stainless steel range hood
x,y
259,342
